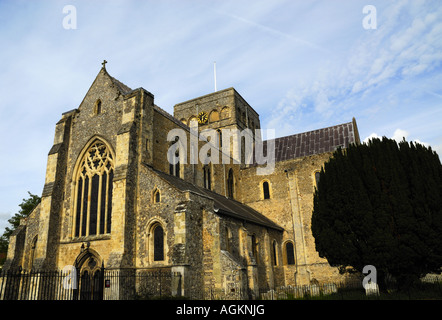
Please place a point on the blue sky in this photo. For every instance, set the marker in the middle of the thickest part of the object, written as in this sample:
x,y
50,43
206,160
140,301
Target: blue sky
x,y
302,65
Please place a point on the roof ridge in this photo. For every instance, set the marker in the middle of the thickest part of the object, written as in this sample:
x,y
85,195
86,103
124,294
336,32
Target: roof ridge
x,y
243,211
297,134
313,142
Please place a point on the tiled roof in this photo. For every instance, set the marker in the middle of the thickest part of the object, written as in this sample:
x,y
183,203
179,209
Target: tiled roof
x,y
222,205
314,142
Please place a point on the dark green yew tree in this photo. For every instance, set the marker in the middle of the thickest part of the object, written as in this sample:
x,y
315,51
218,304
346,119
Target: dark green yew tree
x,y
380,204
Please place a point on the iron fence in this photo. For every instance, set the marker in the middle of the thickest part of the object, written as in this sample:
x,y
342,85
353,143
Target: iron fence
x,y
130,284
101,285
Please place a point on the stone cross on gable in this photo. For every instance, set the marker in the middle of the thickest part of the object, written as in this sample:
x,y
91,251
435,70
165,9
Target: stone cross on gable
x,y
104,63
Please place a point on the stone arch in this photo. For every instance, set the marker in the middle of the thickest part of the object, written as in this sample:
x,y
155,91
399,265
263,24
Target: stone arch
x,y
289,257
156,195
88,259
157,241
192,118
92,186
214,116
266,189
97,107
90,275
225,113
85,149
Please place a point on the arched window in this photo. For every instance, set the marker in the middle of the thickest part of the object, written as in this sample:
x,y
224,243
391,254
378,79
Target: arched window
x,y
207,177
174,168
97,107
317,175
225,113
192,119
290,253
156,196
266,190
93,203
230,184
220,138
214,116
158,243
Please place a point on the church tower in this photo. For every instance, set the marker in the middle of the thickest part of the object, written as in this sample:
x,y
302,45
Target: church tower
x,y
221,110
224,109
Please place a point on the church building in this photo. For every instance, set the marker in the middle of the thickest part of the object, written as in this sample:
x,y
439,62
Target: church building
x,y
112,199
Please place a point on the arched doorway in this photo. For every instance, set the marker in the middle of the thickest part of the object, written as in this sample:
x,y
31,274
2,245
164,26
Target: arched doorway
x,y
90,276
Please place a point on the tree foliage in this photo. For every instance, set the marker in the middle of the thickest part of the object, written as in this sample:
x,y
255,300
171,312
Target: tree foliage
x,y
380,204
26,208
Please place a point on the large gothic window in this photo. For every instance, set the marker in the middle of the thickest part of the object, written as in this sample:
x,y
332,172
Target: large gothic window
x,y
93,204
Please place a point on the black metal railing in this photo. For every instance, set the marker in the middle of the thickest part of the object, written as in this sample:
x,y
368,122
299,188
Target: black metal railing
x,y
102,285
164,284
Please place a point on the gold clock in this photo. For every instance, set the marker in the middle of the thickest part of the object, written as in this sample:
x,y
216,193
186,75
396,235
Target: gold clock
x,y
202,117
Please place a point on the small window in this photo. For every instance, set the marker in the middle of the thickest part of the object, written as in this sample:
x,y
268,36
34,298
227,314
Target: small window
x,y
220,136
317,176
174,168
97,107
266,190
156,196
274,258
207,177
230,184
290,253
158,243
255,248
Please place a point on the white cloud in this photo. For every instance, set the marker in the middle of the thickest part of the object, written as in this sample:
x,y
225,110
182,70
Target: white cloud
x,y
372,136
382,78
270,51
399,135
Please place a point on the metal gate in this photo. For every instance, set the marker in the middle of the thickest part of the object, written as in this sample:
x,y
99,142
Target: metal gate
x,y
90,285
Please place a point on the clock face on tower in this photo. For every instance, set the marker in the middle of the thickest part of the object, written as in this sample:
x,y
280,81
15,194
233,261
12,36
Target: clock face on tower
x,y
202,117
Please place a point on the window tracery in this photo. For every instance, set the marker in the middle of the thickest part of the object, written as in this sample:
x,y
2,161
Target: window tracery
x,y
94,191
